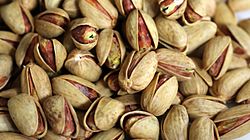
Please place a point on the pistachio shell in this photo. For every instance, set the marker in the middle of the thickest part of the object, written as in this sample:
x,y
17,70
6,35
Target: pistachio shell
x,y
245,24
8,42
113,133
237,62
15,136
175,124
5,71
111,80
179,12
49,4
102,86
243,93
131,102
71,7
68,42
29,4
6,124
239,5
124,11
203,7
50,135
150,7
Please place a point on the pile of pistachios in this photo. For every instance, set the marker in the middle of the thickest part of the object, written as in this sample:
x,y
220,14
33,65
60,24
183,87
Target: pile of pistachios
x,y
124,69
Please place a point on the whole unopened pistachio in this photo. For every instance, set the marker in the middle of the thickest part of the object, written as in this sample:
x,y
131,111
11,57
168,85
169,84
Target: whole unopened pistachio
x,y
141,31
243,95
175,125
49,4
239,5
104,108
50,135
245,24
8,42
137,71
14,136
6,64
111,134
131,102
71,7
19,21
126,6
140,125
172,9
102,12
28,116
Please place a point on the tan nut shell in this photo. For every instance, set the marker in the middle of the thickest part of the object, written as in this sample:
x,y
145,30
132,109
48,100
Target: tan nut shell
x,y
151,7
224,15
50,135
71,7
5,71
6,123
239,5
131,101
237,62
203,7
243,93
14,136
245,24
179,12
113,133
8,48
49,4
138,4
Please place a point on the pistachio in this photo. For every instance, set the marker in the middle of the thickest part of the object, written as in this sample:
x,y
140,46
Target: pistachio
x,y
15,136
112,81
5,71
245,24
243,94
151,7
126,6
111,134
8,42
50,135
178,99
29,4
49,4
228,15
6,124
83,133
131,102
239,5
172,9
237,62
71,7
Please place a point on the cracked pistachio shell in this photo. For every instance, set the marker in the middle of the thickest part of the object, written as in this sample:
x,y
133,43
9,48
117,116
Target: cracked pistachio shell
x,y
131,102
203,105
81,63
233,116
5,72
67,124
27,114
24,51
8,42
83,133
199,33
237,62
217,56
176,13
175,125
49,4
132,77
35,82
50,135
103,19
58,54
111,134
6,123
227,86
132,29
14,136
84,22
224,15
171,34
151,7
19,16
29,4
111,80
243,94
203,129
159,94
104,108
175,63
126,6
140,125
71,7
52,26
245,24
239,5
79,92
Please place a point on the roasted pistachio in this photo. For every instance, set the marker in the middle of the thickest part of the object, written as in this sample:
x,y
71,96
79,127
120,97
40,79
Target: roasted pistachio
x,y
71,7
151,7
111,134
112,81
239,5
243,94
237,62
224,15
131,102
29,4
49,4
14,136
6,123
8,42
83,133
126,6
245,24
172,9
50,135
102,86
6,68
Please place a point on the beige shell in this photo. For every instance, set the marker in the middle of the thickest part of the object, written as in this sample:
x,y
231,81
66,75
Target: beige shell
x,y
6,123
224,15
6,46
131,102
237,62
50,135
151,7
102,86
239,5
24,110
14,136
137,80
137,4
132,29
49,4
71,7
100,18
6,69
158,100
68,42
29,4
113,133
179,12
245,24
243,93
203,7
9,16
202,105
175,125
171,34
81,63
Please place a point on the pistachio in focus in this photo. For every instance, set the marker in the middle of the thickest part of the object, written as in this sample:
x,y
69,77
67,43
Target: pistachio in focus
x,y
126,6
172,9
131,102
8,42
5,72
111,79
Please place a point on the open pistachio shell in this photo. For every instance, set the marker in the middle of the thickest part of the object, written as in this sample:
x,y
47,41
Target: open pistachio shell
x,y
227,86
111,80
140,125
49,4
132,77
245,24
131,102
111,134
224,15
50,135
202,105
105,15
175,125
102,86
28,116
136,36
5,72
203,128
159,94
22,17
239,5
234,122
173,10
104,108
237,62
171,34
126,6
14,136
71,7
110,49
243,94
8,42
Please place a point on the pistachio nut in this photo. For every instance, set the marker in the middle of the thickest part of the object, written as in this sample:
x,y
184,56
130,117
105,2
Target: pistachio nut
x,y
245,24
71,7
83,133
172,9
203,129
22,17
203,105
151,7
140,125
50,135
50,54
28,116
178,99
243,94
29,4
171,34
110,49
159,94
5,72
67,124
79,92
82,63
6,124
14,136
199,33
126,6
141,30
8,42
227,86
111,79
102,12
111,134
131,102
239,5
68,42
132,77
102,86
234,122
5,95
237,62
49,4
24,52
104,108
217,56
175,63
51,23
175,125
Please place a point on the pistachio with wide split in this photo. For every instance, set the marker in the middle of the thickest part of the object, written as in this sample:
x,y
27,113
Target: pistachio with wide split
x,y
172,9
28,116
104,108
140,125
102,12
22,17
71,7
8,42
243,95
14,136
126,6
131,102
111,134
6,64
110,49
